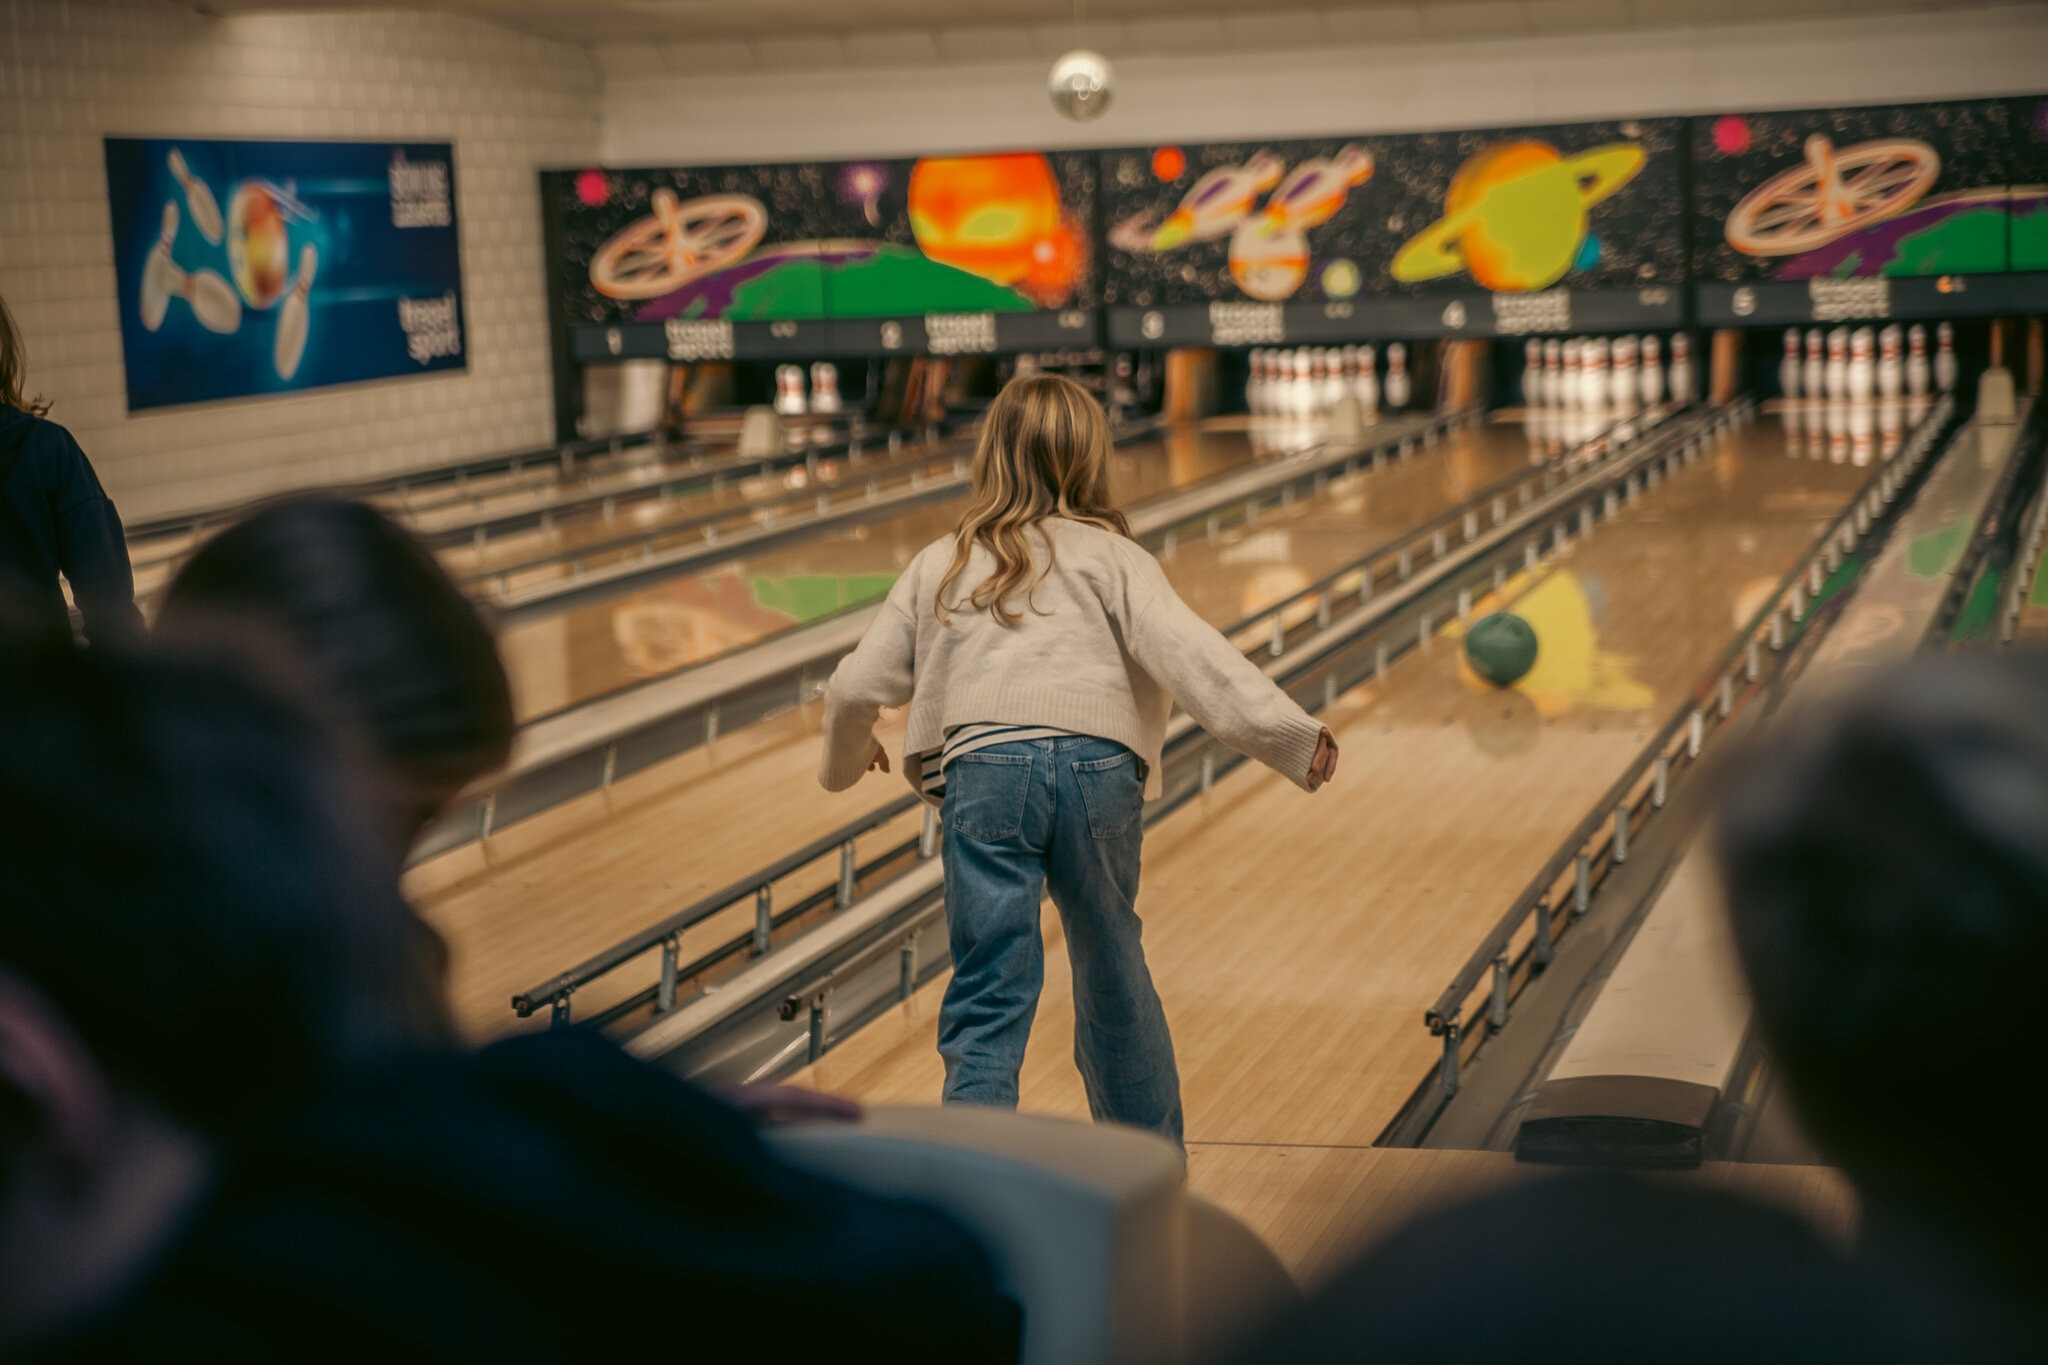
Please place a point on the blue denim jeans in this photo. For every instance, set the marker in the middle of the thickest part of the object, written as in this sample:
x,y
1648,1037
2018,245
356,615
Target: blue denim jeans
x,y
1059,816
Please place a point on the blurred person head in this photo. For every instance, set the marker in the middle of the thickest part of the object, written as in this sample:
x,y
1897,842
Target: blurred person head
x,y
1601,1269
197,934
1886,866
14,367
1043,452
378,626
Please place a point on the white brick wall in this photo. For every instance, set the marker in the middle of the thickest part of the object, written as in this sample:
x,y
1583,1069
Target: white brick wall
x,y
72,71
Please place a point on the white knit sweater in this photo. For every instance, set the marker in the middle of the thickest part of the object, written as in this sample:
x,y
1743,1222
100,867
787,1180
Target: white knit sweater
x,y
1104,648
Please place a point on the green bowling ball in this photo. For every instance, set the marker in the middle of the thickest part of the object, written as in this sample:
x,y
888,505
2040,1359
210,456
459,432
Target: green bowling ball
x,y
1501,648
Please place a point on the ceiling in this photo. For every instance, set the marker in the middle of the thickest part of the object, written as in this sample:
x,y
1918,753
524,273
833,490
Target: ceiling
x,y
632,36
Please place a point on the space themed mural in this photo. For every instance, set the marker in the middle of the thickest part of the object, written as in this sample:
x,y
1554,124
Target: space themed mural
x,y
1007,233
252,268
1506,211
1893,191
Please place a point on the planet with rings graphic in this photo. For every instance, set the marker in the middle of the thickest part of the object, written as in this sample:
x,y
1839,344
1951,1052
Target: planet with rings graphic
x,y
1515,215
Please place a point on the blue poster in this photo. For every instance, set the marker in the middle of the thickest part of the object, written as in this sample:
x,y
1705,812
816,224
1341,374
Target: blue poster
x,y
252,268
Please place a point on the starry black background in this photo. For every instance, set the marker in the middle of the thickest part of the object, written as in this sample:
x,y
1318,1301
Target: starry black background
x,y
1641,227
1977,140
805,200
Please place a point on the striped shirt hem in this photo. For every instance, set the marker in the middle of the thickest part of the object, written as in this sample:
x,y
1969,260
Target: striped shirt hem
x,y
965,739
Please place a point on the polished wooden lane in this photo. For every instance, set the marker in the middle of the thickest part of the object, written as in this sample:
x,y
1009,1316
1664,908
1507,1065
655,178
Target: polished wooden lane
x,y
572,656
1297,939
541,895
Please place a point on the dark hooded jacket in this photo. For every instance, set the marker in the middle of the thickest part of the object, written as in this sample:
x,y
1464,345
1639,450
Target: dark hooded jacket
x,y
549,1199
56,519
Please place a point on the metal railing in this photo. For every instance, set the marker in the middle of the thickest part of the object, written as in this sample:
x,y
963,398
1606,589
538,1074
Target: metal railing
x,y
785,672
1522,943
1417,570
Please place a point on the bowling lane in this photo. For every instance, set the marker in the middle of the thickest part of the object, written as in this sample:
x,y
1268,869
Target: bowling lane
x,y
1297,939
522,906
572,656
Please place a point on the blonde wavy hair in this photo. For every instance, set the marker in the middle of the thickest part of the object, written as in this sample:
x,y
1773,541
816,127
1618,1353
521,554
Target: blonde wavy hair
x,y
1043,453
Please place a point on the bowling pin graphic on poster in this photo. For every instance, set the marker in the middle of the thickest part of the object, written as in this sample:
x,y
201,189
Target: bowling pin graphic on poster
x,y
212,299
1397,386
1553,363
292,318
1788,368
160,274
198,198
1568,390
1595,378
1837,378
1369,382
1814,376
1945,358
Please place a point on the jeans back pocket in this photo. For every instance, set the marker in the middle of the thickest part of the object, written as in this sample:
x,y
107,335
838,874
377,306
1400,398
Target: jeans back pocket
x,y
1112,791
985,795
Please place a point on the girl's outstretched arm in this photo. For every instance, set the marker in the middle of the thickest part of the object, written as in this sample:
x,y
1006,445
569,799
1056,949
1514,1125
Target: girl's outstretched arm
x,y
877,674
1224,691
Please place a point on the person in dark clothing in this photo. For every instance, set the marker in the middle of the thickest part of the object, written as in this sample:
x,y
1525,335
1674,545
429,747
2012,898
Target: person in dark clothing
x,y
1607,1269
1886,863
55,519
231,1122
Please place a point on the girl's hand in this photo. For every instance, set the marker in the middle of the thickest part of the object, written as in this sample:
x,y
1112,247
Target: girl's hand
x,y
880,762
1323,766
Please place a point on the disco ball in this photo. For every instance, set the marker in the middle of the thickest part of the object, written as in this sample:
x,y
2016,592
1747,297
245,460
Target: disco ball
x,y
1079,85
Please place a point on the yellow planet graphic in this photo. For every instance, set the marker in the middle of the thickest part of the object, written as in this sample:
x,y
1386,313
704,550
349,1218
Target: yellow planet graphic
x,y
1515,215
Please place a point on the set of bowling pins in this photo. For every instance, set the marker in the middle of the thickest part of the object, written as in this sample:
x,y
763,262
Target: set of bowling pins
x,y
214,302
1857,366
1852,393
1596,374
1310,380
790,396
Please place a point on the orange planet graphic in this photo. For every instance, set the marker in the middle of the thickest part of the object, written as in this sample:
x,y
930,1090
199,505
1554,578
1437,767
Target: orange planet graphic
x,y
998,217
1515,215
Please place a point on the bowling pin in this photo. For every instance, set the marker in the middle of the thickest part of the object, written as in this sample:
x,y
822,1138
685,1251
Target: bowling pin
x,y
1862,365
789,389
1916,360
1333,379
1788,368
1369,382
290,346
1347,374
1532,372
1569,394
824,387
1837,386
1301,393
1815,376
1553,351
1397,387
1595,377
1891,362
1945,358
1621,383
1681,368
1653,373
160,274
205,208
